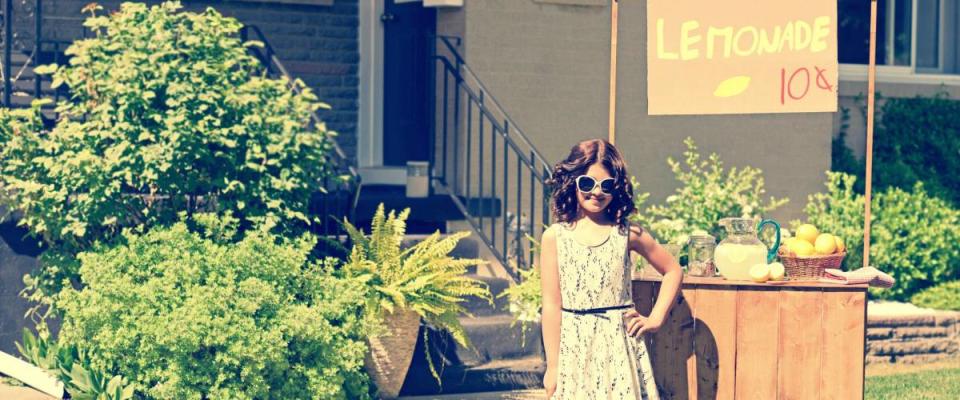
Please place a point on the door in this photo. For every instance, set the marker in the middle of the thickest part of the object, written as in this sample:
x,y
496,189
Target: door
x,y
407,27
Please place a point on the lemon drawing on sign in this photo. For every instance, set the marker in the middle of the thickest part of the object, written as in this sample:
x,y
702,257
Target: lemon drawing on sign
x,y
732,86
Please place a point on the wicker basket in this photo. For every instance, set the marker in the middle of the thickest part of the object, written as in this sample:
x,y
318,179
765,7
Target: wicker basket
x,y
809,268
389,356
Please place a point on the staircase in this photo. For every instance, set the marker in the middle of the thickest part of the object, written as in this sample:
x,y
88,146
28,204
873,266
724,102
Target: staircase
x,y
496,179
504,359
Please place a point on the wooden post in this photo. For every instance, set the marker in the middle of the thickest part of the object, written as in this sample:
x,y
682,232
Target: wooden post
x,y
871,82
611,133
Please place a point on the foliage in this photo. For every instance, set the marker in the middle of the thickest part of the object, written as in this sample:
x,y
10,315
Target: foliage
x,y
191,317
72,367
915,141
168,112
525,298
707,193
913,235
422,278
944,296
842,158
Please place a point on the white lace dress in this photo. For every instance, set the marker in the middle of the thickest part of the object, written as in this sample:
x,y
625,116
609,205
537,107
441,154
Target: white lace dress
x,y
598,360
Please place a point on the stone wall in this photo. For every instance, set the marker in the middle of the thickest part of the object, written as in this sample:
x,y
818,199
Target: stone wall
x,y
917,338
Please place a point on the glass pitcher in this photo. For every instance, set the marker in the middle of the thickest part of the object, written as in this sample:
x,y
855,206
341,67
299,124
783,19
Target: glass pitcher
x,y
742,248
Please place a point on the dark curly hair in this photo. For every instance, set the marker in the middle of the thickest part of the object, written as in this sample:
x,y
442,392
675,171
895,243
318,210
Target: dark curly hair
x,y
584,154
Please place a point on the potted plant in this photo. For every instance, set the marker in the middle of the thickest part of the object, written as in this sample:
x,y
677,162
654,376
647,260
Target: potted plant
x,y
420,282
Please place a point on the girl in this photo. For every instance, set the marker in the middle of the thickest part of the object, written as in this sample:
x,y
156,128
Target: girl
x,y
591,333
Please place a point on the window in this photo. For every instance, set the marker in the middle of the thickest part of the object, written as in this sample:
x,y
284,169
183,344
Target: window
x,y
912,35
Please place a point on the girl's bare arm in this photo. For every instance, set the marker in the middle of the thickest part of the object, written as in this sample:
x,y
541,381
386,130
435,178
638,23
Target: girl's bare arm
x,y
661,260
550,286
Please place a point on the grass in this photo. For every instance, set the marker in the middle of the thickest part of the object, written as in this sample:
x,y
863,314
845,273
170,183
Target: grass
x,y
933,381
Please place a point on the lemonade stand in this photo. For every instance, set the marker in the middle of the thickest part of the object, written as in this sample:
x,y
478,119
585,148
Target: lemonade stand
x,y
759,330
768,326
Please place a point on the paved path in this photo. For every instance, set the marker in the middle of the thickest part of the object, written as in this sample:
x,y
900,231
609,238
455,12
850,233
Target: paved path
x,y
536,394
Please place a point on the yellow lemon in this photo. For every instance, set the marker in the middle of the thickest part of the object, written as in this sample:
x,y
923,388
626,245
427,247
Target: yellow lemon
x,y
785,244
840,246
777,271
808,232
760,273
802,248
825,244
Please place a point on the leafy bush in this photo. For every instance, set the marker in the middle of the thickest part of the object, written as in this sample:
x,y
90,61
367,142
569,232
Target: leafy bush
x,y
913,235
915,140
168,113
422,278
945,296
706,194
525,298
190,317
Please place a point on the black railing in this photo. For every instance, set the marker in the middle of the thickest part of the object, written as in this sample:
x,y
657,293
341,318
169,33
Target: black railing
x,y
20,57
484,161
341,192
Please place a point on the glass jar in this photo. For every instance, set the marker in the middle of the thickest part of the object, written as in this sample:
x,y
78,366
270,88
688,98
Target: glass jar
x,y
700,255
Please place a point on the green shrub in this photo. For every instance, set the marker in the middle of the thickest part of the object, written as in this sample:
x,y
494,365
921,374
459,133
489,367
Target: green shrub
x,y
168,113
706,194
945,296
188,317
913,235
915,141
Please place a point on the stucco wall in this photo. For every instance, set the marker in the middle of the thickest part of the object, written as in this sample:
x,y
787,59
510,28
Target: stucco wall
x,y
548,64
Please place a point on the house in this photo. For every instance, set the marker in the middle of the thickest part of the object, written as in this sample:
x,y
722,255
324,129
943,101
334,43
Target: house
x,y
492,92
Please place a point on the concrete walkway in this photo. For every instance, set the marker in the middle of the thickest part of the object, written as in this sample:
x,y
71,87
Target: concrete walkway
x,y
536,394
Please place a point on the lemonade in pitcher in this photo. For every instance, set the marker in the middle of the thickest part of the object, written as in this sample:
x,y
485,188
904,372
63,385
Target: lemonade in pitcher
x,y
734,260
742,249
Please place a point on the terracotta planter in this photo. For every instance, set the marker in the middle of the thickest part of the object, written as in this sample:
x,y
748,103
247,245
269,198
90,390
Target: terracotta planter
x,y
389,356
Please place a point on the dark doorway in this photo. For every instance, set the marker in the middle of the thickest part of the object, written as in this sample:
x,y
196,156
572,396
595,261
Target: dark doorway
x,y
406,29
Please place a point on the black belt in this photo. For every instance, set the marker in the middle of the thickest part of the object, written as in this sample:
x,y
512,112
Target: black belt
x,y
599,310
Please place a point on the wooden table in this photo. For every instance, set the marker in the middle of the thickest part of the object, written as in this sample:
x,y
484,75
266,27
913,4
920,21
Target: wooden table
x,y
743,340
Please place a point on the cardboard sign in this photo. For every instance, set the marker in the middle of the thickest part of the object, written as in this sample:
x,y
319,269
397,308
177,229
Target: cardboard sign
x,y
741,56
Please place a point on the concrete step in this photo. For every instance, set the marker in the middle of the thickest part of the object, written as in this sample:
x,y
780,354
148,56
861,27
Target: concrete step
x,y
496,337
467,247
480,307
500,375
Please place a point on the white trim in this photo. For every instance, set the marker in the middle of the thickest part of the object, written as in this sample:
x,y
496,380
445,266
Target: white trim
x,y
890,74
913,35
384,175
31,375
370,124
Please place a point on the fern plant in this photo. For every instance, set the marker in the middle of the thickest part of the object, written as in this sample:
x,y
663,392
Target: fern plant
x,y
423,278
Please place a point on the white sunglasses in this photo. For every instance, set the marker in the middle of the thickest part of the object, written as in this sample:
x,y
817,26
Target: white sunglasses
x,y
586,184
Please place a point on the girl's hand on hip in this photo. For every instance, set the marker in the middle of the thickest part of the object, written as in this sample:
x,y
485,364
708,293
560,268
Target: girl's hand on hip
x,y
637,324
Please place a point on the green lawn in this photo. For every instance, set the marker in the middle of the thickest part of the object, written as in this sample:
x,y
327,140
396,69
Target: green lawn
x,y
932,381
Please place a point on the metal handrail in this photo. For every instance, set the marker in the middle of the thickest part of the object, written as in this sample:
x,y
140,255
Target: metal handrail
x,y
519,182
466,67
